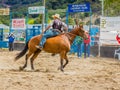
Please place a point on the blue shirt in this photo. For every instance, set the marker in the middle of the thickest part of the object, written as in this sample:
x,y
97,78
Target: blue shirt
x,y
11,39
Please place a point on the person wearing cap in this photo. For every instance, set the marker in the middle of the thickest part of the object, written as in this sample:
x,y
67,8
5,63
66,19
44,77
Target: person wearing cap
x,y
87,45
58,27
11,42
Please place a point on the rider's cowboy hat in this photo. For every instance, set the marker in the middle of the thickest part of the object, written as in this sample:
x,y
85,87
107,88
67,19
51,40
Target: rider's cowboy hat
x,y
56,16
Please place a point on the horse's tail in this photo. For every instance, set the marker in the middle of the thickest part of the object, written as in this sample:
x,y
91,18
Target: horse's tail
x,y
22,53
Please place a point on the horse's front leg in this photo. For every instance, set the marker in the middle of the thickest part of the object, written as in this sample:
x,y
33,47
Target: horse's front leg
x,y
62,55
61,65
32,66
66,61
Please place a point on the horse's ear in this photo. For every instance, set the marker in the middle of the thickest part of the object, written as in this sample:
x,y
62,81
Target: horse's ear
x,y
77,22
81,25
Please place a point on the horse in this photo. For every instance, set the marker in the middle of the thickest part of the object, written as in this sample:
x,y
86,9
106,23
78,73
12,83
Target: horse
x,y
56,45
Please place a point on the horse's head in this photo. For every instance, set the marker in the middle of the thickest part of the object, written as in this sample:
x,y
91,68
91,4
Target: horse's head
x,y
81,32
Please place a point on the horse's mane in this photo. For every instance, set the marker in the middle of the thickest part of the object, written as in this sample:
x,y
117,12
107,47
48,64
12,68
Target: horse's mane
x,y
71,32
74,29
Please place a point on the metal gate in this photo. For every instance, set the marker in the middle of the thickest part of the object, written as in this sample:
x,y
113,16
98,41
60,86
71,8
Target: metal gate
x,y
3,44
33,31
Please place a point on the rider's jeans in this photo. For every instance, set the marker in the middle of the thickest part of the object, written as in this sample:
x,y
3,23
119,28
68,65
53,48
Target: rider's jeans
x,y
48,35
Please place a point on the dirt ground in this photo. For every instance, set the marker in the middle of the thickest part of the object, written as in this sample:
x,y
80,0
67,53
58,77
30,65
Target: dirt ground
x,y
80,74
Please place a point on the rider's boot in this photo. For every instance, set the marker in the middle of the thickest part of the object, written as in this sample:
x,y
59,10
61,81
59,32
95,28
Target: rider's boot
x,y
39,47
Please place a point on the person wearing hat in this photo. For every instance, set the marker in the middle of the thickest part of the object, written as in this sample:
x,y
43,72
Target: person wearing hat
x,y
58,27
11,42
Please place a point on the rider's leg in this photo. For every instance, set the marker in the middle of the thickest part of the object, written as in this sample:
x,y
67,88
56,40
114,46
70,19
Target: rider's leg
x,y
46,35
43,40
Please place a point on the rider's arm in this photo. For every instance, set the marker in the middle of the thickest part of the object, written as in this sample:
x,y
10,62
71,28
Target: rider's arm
x,y
65,27
47,28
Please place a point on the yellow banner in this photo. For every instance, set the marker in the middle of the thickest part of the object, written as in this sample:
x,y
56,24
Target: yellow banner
x,y
4,11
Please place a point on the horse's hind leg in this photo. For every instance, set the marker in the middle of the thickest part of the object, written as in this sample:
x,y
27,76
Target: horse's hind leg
x,y
33,58
26,59
25,65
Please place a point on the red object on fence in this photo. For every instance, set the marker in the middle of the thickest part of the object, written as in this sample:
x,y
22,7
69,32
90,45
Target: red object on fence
x,y
118,38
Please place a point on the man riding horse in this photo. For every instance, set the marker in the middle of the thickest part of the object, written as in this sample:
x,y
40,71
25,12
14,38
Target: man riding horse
x,y
58,27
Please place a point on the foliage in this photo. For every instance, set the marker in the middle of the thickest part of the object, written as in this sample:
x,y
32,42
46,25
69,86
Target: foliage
x,y
71,21
31,21
111,8
4,20
38,20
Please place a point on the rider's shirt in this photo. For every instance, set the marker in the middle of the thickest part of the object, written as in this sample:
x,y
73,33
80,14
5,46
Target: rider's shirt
x,y
57,24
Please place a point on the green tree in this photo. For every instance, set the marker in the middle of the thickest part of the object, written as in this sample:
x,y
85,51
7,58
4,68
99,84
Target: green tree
x,y
111,7
71,21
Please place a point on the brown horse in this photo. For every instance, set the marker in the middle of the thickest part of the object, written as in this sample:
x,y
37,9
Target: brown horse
x,y
58,45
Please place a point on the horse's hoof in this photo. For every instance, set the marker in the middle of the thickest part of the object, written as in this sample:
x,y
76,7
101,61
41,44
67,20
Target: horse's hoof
x,y
62,70
58,68
53,54
33,70
20,68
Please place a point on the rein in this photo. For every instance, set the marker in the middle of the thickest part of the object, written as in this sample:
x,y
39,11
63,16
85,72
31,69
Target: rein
x,y
69,37
71,33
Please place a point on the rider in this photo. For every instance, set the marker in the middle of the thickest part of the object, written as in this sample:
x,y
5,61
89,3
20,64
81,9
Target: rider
x,y
58,27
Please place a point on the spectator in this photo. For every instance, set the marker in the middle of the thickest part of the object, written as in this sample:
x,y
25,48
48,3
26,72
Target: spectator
x,y
79,41
96,39
87,45
11,42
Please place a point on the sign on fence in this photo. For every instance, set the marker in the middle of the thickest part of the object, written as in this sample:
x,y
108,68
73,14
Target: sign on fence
x,y
109,26
18,24
4,11
36,10
79,7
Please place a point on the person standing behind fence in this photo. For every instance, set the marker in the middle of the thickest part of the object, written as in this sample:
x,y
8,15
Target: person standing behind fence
x,y
118,37
79,41
87,45
11,42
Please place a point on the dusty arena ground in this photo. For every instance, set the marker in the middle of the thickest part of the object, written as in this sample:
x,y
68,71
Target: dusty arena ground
x,y
80,74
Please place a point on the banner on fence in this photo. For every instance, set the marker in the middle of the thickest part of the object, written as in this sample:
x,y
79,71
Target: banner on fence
x,y
18,24
109,27
79,7
36,10
4,11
